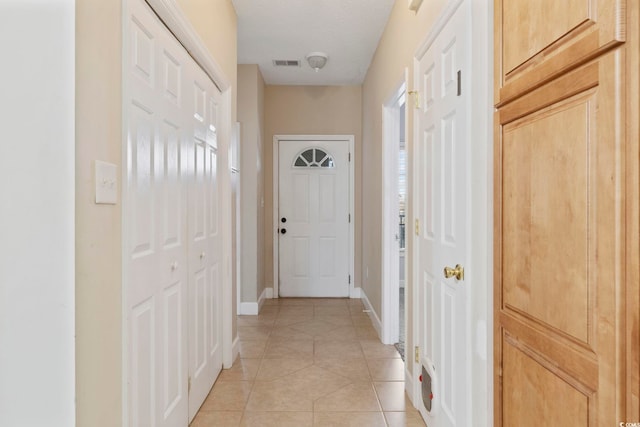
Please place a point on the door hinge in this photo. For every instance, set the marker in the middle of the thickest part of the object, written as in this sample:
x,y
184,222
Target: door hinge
x,y
417,354
416,98
349,279
189,385
459,82
417,227
349,156
349,218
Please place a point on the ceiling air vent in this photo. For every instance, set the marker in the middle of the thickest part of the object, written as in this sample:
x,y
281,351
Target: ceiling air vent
x,y
286,62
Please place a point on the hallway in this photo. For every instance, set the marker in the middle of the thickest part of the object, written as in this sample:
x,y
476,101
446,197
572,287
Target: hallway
x,y
310,362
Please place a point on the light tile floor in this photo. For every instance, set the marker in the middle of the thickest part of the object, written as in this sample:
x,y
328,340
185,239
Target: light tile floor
x,y
310,362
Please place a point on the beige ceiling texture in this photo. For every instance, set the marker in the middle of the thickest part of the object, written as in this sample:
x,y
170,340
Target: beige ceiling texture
x,y
348,31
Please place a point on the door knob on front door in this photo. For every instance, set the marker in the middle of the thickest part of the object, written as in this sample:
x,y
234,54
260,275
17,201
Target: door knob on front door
x,y
283,220
457,272
283,230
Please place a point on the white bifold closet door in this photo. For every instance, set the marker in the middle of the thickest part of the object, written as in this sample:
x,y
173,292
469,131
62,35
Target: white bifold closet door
x,y
205,243
171,226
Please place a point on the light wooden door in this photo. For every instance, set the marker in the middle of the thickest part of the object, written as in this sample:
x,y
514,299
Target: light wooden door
x,y
313,218
562,211
205,244
442,218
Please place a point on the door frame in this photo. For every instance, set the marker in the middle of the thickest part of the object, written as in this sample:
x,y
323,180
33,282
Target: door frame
x,y
480,201
353,291
390,256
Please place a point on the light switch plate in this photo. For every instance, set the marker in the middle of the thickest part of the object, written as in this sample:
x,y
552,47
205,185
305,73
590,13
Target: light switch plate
x,y
106,183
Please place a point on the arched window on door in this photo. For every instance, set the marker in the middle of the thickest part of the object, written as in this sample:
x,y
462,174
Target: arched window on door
x,y
314,158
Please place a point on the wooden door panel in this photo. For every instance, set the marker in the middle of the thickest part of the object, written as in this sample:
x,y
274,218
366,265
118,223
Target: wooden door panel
x,y
545,233
559,239
525,377
536,41
537,25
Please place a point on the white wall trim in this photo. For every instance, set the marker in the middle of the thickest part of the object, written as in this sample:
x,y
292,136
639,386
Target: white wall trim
x,y
436,28
481,173
176,21
226,130
235,352
276,199
355,292
253,308
275,154
268,293
390,245
408,380
375,320
248,308
263,297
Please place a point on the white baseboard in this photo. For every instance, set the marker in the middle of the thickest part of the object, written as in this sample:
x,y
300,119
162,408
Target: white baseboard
x,y
253,308
408,381
355,292
263,297
235,350
375,320
248,308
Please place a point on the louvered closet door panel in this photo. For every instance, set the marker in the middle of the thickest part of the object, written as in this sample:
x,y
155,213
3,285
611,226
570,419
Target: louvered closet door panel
x,y
537,40
559,242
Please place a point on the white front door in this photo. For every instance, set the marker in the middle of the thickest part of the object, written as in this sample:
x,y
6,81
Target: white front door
x,y
313,219
441,192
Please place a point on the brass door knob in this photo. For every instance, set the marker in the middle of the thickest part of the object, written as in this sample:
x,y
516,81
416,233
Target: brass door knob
x,y
457,272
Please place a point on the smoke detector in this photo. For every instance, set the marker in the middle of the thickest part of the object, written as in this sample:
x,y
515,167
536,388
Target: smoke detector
x,y
317,60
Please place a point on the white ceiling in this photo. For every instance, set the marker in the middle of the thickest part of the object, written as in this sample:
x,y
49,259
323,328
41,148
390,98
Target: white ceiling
x,y
348,31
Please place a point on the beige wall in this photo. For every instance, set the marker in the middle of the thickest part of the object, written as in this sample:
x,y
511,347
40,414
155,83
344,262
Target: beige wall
x,y
251,117
316,110
404,32
98,227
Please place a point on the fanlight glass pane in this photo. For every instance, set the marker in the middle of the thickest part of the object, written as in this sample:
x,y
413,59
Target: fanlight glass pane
x,y
308,156
314,158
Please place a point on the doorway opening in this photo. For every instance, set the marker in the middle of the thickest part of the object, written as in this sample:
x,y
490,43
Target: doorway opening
x,y
394,170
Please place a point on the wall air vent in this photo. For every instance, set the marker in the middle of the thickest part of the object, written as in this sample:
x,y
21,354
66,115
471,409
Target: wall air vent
x,y
286,63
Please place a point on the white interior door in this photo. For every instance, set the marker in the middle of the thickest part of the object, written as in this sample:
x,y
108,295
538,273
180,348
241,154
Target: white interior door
x,y
313,218
154,225
441,192
205,244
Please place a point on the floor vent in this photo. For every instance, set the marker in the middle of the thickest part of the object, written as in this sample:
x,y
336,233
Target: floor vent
x,y
286,63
